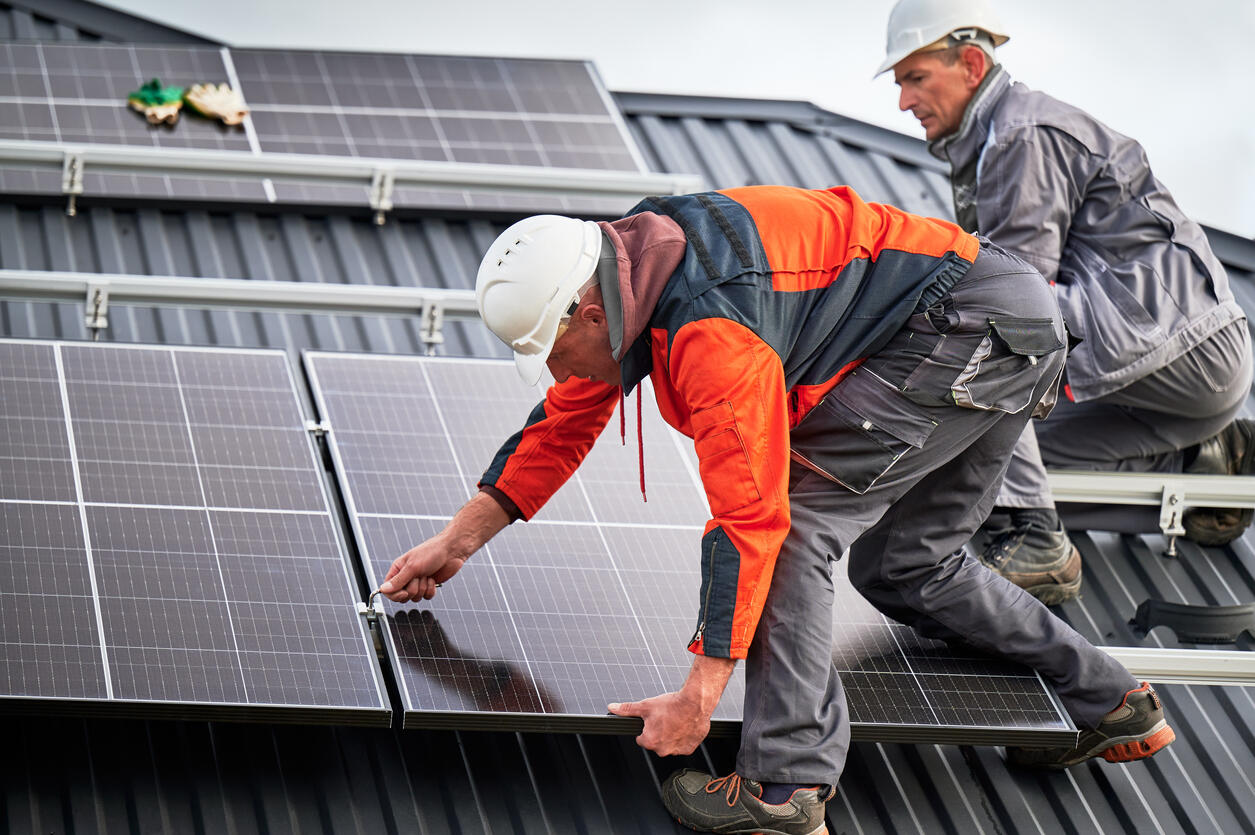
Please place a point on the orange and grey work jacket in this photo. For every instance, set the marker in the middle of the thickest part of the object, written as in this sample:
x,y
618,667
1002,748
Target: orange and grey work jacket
x,y
780,292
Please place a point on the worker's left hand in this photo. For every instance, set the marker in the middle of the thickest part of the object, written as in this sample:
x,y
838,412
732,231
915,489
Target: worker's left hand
x,y
675,723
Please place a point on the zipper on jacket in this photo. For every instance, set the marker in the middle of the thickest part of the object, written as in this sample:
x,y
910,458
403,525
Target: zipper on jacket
x,y
701,627
794,406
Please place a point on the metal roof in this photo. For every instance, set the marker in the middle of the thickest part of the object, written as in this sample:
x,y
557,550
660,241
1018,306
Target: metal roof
x,y
79,20
109,775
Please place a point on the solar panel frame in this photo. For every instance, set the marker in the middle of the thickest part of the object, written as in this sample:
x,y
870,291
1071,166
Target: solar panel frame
x,y
536,113
428,634
151,657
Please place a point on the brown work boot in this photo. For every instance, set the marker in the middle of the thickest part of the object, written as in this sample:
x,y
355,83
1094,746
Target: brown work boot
x,y
1231,451
1041,561
732,804
1133,731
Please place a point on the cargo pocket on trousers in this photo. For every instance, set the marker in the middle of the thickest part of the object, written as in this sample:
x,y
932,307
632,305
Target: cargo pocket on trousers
x,y
1000,375
723,460
859,431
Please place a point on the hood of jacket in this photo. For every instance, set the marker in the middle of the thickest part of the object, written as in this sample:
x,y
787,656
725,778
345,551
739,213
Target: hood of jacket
x,y
648,248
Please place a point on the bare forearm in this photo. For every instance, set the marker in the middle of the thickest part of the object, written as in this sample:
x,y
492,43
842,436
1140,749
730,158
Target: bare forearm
x,y
707,679
478,521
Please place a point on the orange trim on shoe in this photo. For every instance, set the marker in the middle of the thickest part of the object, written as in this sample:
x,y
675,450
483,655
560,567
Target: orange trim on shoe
x,y
1139,749
1145,686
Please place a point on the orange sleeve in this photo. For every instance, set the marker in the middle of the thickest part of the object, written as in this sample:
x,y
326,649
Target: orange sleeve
x,y
538,459
733,382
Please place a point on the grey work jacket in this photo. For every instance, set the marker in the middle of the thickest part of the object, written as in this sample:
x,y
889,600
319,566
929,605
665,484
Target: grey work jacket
x,y
1135,278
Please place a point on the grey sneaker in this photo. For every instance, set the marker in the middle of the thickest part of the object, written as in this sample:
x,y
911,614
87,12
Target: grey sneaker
x,y
731,805
1231,451
1133,731
1044,563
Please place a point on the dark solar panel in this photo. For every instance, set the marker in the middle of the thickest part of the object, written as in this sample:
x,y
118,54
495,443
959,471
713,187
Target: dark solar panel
x,y
594,600
406,107
168,546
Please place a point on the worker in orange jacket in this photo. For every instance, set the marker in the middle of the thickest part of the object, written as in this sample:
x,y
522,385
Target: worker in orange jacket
x,y
854,378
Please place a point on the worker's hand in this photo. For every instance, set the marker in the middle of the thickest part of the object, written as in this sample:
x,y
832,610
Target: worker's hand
x,y
675,723
415,574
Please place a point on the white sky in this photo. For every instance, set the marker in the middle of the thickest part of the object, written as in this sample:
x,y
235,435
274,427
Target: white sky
x,y
1177,75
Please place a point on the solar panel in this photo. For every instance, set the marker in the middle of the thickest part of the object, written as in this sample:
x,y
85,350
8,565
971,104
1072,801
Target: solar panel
x,y
167,542
594,600
506,111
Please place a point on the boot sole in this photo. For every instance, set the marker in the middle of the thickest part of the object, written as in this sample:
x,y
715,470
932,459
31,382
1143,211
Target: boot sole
x,y
1052,594
1139,749
1120,750
822,830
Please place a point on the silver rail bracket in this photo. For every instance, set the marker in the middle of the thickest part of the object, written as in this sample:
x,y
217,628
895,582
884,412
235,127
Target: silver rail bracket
x,y
382,182
1171,509
72,181
433,325
373,611
317,428
97,308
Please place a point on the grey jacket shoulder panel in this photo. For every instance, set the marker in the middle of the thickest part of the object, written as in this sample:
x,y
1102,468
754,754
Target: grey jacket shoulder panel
x,y
1136,279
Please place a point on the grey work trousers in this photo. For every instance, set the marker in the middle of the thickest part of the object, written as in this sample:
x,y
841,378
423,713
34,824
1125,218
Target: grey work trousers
x,y
922,474
1143,427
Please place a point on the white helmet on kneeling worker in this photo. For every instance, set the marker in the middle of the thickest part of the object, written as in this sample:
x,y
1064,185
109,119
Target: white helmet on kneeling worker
x,y
934,25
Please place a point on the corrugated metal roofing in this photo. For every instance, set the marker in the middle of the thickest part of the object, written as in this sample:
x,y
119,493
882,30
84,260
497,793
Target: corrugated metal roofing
x,y
124,776
78,20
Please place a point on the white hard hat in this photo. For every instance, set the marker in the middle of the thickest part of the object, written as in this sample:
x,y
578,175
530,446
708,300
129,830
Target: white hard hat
x,y
915,24
530,279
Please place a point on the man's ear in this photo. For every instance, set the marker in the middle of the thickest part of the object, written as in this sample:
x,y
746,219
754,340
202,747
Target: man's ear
x,y
592,313
975,65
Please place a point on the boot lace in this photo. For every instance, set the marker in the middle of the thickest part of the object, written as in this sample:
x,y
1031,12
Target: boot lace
x,y
730,784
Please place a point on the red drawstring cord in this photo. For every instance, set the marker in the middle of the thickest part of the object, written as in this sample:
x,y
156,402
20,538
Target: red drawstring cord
x,y
640,434
640,443
622,417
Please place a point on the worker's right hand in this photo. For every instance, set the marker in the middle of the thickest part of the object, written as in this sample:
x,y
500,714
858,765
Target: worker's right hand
x,y
415,574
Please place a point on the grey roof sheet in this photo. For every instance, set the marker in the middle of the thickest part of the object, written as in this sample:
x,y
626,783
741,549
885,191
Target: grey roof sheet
x,y
79,20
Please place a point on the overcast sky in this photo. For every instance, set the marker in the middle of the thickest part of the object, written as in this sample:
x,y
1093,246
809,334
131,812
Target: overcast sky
x,y
1177,75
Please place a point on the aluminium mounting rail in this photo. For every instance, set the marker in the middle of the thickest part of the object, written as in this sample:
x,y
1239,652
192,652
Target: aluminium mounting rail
x,y
1172,492
98,291
381,176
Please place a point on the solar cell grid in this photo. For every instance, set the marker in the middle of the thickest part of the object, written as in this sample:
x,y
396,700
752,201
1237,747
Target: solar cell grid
x,y
197,556
406,107
593,600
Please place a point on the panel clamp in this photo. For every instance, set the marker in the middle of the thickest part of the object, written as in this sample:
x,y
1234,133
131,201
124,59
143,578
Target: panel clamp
x,y
97,307
381,183
1171,508
72,181
317,428
432,332
372,609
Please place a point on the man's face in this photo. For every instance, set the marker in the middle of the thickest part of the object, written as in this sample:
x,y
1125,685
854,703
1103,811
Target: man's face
x,y
934,92
583,350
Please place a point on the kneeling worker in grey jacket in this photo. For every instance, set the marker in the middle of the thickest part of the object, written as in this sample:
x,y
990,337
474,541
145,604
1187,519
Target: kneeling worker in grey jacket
x,y
1161,360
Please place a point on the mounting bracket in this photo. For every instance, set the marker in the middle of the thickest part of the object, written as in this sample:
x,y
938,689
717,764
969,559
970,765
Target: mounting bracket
x,y
433,325
72,181
1171,508
381,185
97,307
